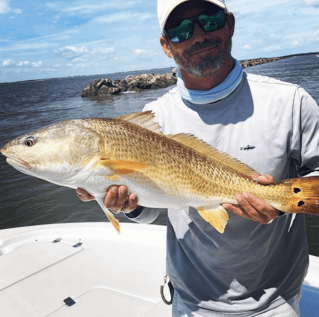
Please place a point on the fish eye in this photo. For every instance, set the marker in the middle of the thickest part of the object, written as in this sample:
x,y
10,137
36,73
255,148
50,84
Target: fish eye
x,y
29,141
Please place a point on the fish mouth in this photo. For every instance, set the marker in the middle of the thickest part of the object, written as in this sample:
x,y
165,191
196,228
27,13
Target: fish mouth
x,y
15,162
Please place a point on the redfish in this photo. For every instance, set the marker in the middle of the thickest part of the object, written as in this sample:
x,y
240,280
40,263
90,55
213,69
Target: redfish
x,y
164,171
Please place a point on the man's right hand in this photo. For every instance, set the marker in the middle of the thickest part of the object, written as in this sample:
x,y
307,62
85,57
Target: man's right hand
x,y
117,198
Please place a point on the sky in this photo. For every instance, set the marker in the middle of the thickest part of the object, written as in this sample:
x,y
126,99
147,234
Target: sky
x,y
46,39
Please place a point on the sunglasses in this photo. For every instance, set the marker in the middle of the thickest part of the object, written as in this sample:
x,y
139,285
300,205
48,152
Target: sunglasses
x,y
182,31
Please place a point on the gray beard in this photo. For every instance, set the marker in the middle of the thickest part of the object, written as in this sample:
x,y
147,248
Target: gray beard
x,y
207,66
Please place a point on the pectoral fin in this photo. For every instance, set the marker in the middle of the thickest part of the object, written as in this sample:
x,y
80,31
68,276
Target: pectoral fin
x,y
109,215
217,217
122,167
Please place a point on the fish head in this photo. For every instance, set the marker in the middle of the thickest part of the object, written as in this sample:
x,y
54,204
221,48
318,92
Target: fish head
x,y
54,153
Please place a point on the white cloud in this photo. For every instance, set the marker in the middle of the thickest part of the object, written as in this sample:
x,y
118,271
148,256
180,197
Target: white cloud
x,y
79,60
274,36
81,65
247,47
146,53
258,42
17,11
25,45
80,56
81,8
23,63
70,52
5,8
105,50
38,43
8,62
139,51
123,16
11,63
249,6
37,64
272,48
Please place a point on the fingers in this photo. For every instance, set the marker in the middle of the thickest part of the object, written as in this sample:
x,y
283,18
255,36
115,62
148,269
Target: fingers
x,y
118,199
265,179
83,195
238,210
262,179
131,204
256,209
253,208
246,209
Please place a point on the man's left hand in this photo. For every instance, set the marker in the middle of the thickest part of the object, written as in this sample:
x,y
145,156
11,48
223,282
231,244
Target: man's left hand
x,y
253,208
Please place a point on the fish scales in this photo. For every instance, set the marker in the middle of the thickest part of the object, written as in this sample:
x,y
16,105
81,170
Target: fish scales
x,y
170,162
157,152
164,171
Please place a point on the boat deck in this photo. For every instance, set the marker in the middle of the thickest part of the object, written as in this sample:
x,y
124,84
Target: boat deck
x,y
82,270
88,269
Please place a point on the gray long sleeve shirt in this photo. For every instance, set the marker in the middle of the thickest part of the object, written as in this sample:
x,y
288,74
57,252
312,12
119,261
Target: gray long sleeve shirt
x,y
271,126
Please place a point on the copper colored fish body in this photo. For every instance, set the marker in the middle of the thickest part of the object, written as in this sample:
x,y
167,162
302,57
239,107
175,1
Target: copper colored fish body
x,y
164,171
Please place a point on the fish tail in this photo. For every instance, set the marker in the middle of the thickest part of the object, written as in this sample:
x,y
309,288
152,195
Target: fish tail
x,y
303,195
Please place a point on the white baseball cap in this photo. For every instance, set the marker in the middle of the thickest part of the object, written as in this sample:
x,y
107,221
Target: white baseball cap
x,y
165,8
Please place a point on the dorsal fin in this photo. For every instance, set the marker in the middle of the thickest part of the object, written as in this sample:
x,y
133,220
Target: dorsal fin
x,y
221,157
144,119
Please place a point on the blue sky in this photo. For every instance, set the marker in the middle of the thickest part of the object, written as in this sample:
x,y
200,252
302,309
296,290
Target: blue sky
x,y
45,39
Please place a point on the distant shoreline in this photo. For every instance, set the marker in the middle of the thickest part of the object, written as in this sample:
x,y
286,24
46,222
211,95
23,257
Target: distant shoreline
x,y
259,61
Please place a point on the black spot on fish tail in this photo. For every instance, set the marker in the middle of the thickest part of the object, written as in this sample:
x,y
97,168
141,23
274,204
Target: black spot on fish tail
x,y
300,203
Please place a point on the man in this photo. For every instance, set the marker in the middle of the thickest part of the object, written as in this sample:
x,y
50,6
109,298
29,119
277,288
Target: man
x,y
254,268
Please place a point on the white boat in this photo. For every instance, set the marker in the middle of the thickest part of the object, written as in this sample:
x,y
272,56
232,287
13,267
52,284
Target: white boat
x,y
87,269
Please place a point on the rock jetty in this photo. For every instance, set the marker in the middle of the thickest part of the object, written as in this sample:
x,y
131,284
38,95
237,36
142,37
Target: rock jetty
x,y
258,61
105,86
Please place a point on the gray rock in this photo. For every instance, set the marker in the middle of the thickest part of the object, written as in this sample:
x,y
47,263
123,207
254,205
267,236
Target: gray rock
x,y
258,61
116,82
105,90
95,87
122,85
138,83
104,82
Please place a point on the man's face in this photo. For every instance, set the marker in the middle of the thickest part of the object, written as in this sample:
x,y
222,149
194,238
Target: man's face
x,y
204,53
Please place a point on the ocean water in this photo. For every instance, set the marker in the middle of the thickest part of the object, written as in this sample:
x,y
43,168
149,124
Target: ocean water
x,y
29,105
